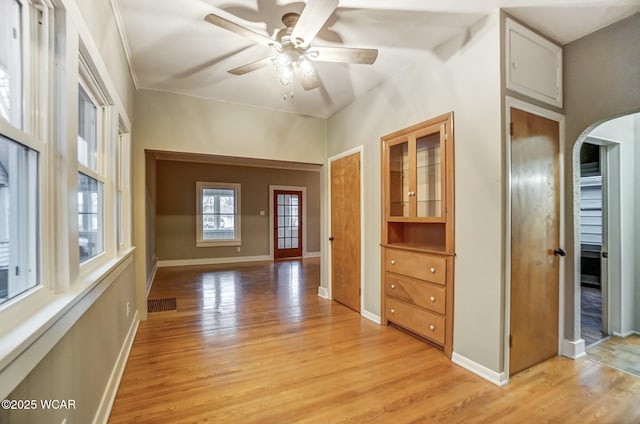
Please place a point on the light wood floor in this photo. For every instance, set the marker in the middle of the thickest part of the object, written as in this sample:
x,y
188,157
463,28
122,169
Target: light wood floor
x,y
255,344
622,353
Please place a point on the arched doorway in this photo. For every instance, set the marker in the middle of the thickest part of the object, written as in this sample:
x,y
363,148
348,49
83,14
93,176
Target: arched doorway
x,y
607,227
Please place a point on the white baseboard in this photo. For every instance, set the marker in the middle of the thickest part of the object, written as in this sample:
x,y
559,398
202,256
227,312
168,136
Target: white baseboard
x,y
497,378
311,255
213,261
626,333
109,395
153,277
323,293
574,349
371,316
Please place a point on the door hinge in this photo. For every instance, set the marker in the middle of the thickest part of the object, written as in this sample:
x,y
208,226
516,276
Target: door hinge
x,y
511,128
510,340
17,270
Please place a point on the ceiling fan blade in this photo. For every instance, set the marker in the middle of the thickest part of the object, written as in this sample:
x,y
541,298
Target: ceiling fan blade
x,y
309,81
245,69
343,55
311,20
216,20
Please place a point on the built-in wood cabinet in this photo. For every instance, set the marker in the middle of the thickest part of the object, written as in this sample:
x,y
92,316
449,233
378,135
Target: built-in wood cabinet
x,y
418,230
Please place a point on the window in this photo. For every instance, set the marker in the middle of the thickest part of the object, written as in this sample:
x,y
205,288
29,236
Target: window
x,y
11,62
19,264
218,214
90,184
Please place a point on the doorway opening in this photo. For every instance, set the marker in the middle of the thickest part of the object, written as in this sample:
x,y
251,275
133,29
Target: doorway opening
x,y
606,222
593,323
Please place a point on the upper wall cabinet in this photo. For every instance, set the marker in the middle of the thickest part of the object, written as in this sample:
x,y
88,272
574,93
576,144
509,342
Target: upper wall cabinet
x,y
534,64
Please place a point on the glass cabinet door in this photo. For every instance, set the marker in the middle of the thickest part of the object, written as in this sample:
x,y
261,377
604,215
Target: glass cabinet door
x,y
399,179
428,190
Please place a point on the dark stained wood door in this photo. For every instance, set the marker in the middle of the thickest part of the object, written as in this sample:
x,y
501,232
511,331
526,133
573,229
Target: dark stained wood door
x,y
535,218
345,230
287,224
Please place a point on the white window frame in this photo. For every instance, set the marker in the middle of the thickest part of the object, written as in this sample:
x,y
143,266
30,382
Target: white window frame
x,y
200,241
35,131
97,94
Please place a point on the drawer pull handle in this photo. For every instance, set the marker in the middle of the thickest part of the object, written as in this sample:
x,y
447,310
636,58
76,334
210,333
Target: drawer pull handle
x,y
433,270
393,261
393,311
432,327
393,286
433,299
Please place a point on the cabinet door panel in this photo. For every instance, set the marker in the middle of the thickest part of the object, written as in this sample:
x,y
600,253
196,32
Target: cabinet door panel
x,y
416,265
422,294
415,319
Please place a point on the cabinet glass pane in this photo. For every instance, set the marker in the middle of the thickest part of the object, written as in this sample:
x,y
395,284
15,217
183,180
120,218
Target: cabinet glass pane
x,y
429,187
399,179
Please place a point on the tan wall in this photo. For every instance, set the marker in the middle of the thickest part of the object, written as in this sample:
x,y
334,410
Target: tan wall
x,y
463,76
80,364
176,207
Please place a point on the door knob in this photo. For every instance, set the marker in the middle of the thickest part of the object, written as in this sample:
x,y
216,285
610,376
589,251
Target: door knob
x,y
559,252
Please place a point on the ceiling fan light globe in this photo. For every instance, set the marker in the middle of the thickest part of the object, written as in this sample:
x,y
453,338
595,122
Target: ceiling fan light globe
x,y
286,75
282,60
306,67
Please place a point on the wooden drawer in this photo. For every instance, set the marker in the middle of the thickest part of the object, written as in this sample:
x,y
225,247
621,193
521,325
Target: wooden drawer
x,y
416,264
422,294
416,319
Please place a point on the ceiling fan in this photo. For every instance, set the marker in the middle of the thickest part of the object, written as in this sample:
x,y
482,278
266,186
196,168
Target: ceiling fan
x,y
292,44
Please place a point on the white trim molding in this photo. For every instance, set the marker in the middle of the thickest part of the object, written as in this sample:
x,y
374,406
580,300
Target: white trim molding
x,y
573,349
497,378
152,277
323,293
371,316
212,261
109,395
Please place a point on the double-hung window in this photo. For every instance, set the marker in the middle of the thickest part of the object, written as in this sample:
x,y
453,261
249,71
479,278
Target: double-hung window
x,y
218,214
11,61
90,179
24,127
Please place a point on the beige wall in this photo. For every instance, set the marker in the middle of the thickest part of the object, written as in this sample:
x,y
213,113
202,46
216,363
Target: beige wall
x,y
463,76
601,81
80,364
176,207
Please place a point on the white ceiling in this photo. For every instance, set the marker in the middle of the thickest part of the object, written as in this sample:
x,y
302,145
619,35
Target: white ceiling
x,y
171,47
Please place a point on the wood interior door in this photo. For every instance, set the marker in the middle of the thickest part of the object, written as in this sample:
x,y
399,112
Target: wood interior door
x,y
535,249
345,230
287,224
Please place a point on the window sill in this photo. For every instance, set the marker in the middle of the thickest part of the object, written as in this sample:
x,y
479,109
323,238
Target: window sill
x,y
217,243
35,326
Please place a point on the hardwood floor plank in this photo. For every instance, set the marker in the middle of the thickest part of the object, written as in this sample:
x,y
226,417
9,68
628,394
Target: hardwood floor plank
x,y
253,343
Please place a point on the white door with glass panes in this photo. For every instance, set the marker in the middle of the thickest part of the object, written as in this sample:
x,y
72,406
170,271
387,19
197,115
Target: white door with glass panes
x,y
287,224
